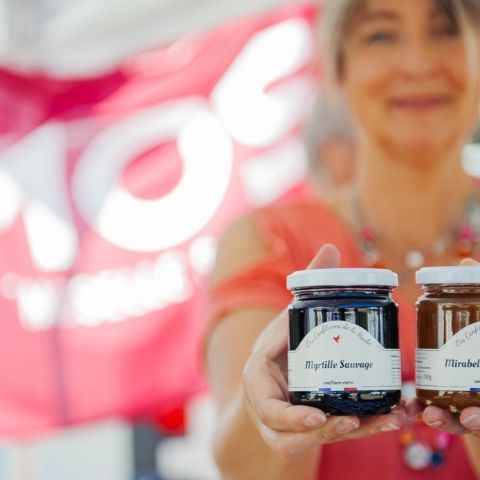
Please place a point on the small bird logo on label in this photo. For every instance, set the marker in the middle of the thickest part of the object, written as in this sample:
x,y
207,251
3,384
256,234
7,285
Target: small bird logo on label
x,y
337,339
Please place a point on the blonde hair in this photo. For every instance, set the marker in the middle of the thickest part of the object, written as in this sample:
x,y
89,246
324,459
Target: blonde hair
x,y
337,15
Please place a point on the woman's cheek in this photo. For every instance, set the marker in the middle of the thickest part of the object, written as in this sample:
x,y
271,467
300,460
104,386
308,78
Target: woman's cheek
x,y
367,101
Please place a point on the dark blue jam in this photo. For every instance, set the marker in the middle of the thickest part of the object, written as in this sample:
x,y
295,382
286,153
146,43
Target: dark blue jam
x,y
369,308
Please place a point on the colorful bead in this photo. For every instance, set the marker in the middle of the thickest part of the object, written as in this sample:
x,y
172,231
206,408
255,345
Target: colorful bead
x,y
443,440
367,234
414,259
437,458
466,232
464,247
406,438
439,247
418,456
372,259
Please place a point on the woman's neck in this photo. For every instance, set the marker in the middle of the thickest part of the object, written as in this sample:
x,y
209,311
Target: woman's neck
x,y
410,202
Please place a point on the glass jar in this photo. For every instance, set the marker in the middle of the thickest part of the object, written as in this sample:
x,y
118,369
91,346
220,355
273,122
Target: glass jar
x,y
448,337
344,355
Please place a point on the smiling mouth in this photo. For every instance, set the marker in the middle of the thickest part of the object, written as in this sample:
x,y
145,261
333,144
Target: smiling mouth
x,y
420,104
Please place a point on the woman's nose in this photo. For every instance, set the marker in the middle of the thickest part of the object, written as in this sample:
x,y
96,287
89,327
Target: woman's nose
x,y
419,59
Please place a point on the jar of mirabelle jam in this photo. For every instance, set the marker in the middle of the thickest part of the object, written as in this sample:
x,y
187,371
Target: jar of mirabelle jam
x,y
448,337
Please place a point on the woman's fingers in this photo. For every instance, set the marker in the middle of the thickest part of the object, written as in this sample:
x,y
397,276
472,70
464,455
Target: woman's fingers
x,y
288,418
386,423
291,445
375,425
442,419
268,404
327,257
337,428
467,422
285,417
470,419
469,262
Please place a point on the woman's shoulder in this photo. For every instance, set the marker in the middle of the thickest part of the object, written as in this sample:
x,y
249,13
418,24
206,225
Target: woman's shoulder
x,y
304,225
308,211
291,232
239,246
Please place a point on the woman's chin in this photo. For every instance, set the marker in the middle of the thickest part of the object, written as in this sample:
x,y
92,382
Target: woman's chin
x,y
421,147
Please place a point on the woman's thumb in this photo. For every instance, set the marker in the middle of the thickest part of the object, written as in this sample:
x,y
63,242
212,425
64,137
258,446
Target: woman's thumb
x,y
469,262
327,257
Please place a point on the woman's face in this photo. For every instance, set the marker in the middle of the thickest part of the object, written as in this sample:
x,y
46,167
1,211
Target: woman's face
x,y
407,78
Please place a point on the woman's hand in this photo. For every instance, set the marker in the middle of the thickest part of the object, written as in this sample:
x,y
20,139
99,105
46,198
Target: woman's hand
x,y
293,430
467,422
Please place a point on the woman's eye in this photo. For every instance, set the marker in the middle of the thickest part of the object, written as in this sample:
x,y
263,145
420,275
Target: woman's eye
x,y
380,37
445,31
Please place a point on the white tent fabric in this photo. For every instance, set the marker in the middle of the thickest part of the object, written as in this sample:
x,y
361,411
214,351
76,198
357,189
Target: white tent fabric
x,y
83,37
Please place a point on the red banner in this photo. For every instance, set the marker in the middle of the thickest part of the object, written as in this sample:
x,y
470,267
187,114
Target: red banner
x,y
112,193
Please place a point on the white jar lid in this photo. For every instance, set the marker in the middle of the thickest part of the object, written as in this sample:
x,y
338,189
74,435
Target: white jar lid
x,y
342,277
446,275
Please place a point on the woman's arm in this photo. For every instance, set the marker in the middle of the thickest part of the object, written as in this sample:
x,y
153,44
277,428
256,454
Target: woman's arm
x,y
240,451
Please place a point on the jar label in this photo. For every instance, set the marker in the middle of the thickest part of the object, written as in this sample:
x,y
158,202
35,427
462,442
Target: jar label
x,y
339,356
455,366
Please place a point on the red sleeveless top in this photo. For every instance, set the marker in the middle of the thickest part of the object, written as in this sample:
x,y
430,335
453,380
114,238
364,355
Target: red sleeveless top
x,y
293,233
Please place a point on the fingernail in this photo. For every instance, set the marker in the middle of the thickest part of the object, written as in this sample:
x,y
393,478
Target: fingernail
x,y
435,424
389,427
345,426
315,420
472,422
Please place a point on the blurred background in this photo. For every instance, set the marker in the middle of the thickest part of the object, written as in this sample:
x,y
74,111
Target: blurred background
x,y
131,134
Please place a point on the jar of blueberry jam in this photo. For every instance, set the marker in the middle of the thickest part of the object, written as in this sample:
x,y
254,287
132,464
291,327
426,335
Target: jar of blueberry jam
x,y
344,355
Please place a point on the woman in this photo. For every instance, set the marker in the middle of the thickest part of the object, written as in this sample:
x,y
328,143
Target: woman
x,y
409,71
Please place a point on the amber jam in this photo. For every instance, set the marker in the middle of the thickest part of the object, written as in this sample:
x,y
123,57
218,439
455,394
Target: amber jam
x,y
448,337
344,353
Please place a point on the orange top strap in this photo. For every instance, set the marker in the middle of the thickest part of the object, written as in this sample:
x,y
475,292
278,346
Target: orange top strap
x,y
292,234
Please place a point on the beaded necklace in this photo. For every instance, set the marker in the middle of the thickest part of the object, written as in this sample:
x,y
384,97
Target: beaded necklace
x,y
463,236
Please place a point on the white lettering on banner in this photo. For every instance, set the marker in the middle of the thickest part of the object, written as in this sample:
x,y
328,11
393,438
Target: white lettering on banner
x,y
252,116
117,295
152,225
11,199
34,170
108,296
267,176
201,254
38,303
53,241
33,185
